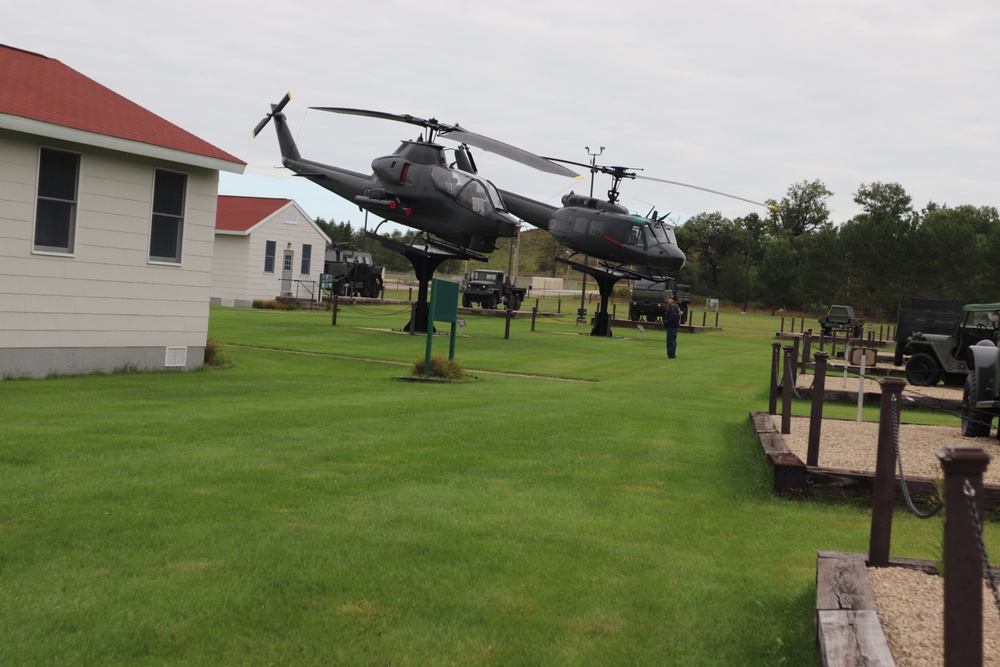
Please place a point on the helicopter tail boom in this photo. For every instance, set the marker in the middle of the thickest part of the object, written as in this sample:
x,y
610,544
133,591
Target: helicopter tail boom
x,y
535,213
289,151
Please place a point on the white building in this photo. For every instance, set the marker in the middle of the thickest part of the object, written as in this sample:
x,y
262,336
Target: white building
x,y
265,248
107,224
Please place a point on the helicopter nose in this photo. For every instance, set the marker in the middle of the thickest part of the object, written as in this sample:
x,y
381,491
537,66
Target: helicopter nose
x,y
669,257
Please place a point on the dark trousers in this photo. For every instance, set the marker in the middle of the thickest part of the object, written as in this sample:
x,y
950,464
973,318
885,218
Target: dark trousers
x,y
672,342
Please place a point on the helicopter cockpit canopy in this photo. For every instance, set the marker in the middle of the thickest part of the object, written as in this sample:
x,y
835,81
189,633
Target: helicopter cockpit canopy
x,y
478,195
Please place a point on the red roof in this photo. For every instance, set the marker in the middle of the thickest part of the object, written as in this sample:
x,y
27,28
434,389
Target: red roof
x,y
238,214
38,88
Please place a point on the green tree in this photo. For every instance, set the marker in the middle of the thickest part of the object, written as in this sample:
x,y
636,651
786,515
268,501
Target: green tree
x,y
802,210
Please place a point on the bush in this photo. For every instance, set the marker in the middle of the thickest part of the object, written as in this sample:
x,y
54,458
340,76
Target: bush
x,y
274,304
442,368
213,353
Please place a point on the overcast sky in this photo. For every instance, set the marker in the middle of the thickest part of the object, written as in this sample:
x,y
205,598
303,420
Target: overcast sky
x,y
743,97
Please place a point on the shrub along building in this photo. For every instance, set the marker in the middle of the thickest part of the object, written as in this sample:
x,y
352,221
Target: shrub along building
x,y
107,224
265,248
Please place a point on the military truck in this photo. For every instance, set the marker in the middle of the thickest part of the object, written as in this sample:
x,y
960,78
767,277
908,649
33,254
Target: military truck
x,y
924,314
353,272
492,289
934,357
649,299
841,318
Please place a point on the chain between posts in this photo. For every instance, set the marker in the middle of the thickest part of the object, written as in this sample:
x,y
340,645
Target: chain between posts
x,y
977,525
899,464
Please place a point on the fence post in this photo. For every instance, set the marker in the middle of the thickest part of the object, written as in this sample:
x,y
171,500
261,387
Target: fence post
x,y
534,313
816,415
413,317
963,564
716,319
792,330
885,474
772,405
795,359
806,344
333,322
782,329
787,386
506,330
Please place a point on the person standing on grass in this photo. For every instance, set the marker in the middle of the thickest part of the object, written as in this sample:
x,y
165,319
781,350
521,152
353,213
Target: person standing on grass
x,y
672,320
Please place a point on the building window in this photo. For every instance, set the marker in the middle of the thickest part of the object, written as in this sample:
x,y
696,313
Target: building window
x,y
55,208
306,258
287,264
166,234
270,249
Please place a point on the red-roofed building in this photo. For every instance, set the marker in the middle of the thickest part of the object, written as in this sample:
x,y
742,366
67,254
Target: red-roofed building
x,y
107,226
265,248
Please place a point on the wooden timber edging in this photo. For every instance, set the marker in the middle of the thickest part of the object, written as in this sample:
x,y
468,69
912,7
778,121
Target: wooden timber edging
x,y
791,477
848,631
914,400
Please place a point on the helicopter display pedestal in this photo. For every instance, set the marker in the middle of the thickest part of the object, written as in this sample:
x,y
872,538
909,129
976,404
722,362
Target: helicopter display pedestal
x,y
425,260
606,278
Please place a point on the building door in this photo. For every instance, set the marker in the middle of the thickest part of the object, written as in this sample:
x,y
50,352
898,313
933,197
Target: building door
x,y
286,273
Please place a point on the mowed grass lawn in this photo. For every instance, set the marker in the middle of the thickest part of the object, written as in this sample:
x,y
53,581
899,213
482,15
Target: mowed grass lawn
x,y
581,501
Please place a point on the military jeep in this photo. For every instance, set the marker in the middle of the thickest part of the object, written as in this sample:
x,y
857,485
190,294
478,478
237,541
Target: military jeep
x,y
980,399
934,357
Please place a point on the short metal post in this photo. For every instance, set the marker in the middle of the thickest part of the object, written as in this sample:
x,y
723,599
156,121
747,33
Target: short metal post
x,y
885,474
704,318
559,306
787,385
716,319
963,565
506,330
816,415
772,405
534,314
333,308
782,329
410,298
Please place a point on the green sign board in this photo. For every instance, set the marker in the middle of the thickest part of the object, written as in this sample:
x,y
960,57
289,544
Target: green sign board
x,y
326,281
443,308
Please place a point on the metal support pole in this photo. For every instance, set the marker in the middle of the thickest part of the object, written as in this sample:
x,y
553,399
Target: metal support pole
x,y
816,415
883,494
963,565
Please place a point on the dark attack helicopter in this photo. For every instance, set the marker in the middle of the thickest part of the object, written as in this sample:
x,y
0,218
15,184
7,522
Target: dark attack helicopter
x,y
626,245
415,186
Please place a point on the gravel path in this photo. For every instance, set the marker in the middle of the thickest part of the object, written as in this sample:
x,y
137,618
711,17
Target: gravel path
x,y
910,603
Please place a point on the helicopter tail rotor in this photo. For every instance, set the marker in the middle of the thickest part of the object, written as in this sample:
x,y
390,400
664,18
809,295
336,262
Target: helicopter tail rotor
x,y
275,109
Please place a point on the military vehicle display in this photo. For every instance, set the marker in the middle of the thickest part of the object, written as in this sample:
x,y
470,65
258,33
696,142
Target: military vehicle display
x,y
980,398
649,299
934,357
925,314
841,318
354,273
492,289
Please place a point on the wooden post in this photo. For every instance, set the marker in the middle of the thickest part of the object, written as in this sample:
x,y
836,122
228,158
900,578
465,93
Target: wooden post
x,y
782,329
506,330
816,415
333,322
963,565
534,314
885,474
772,406
787,386
795,360
806,344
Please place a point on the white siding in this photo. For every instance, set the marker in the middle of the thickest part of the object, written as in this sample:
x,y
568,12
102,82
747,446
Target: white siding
x,y
239,260
107,294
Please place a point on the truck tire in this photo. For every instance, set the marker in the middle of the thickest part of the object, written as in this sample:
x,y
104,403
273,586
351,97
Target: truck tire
x,y
491,301
466,301
633,315
897,358
515,302
975,421
922,370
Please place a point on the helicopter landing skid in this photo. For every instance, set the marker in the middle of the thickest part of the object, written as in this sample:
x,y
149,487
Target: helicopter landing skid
x,y
425,259
606,277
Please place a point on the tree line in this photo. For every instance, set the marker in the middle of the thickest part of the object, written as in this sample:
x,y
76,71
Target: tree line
x,y
795,256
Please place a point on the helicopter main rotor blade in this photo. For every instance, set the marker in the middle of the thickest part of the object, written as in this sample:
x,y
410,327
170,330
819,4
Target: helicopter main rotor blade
x,y
698,187
507,151
463,136
402,118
